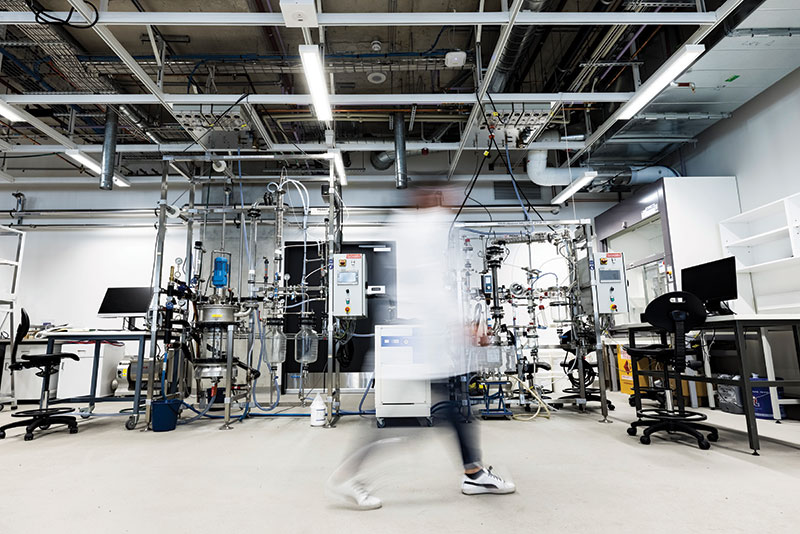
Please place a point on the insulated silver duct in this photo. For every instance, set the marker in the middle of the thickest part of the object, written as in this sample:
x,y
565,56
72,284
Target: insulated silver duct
x,y
519,43
401,163
383,160
109,150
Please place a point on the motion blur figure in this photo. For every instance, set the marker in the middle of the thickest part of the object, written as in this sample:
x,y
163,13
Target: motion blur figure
x,y
428,297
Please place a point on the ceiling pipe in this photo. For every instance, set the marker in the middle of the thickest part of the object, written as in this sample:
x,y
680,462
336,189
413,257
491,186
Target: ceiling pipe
x,y
542,175
109,150
401,163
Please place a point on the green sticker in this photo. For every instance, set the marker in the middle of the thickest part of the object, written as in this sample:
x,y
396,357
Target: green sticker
x,y
732,78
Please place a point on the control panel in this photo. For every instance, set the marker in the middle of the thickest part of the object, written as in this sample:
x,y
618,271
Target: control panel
x,y
612,285
349,285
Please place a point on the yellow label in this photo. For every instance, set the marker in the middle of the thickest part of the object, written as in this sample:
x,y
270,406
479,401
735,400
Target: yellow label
x,y
216,316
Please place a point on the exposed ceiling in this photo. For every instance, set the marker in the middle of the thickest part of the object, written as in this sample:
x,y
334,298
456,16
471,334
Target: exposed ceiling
x,y
55,67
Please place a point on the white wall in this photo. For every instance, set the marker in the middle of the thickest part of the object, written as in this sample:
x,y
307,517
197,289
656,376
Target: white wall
x,y
758,145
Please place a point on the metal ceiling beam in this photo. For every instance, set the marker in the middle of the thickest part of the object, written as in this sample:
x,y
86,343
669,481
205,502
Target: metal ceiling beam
x,y
125,18
105,34
346,146
724,10
477,112
371,99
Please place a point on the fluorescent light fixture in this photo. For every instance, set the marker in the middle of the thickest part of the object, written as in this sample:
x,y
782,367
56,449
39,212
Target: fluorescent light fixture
x,y
315,77
121,181
79,157
670,70
338,164
82,159
10,112
5,177
574,187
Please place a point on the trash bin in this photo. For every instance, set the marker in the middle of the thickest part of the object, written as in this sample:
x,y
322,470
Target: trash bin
x,y
762,402
165,414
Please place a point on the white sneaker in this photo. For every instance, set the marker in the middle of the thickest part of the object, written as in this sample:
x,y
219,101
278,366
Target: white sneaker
x,y
355,493
486,482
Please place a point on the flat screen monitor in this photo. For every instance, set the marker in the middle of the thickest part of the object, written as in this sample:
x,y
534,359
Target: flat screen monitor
x,y
126,302
712,282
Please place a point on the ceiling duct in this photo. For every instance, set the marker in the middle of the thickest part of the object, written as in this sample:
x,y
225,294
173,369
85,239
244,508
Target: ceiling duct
x,y
542,175
401,165
519,43
384,160
109,150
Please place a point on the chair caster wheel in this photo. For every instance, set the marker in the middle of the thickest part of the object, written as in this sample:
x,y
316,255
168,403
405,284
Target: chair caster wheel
x,y
713,437
429,421
631,431
704,445
558,405
528,408
45,426
611,407
130,424
381,423
2,434
644,440
28,437
85,416
632,401
73,430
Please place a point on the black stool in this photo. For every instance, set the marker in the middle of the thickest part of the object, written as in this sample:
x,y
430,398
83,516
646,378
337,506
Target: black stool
x,y
678,313
48,365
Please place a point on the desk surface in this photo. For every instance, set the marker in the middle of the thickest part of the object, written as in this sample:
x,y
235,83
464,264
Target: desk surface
x,y
722,319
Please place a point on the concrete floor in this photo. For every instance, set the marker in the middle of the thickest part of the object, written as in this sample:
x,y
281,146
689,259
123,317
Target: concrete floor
x,y
573,474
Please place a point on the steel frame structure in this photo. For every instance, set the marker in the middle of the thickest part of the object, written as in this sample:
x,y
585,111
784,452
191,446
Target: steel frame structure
x,y
496,18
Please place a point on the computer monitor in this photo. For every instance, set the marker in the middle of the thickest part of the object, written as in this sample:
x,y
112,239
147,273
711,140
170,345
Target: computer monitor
x,y
713,283
126,302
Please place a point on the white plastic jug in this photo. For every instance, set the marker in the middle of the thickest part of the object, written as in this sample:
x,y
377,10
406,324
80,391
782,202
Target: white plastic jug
x,y
318,411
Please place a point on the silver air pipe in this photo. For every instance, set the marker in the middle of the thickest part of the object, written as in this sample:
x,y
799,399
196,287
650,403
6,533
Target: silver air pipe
x,y
401,163
109,150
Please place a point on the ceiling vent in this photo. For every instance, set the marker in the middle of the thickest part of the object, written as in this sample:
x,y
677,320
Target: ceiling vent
x,y
505,191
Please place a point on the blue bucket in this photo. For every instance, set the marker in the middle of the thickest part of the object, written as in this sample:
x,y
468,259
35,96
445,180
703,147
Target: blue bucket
x,y
165,414
762,402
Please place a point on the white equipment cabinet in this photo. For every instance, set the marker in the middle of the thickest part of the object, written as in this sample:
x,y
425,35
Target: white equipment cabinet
x,y
75,378
27,386
398,393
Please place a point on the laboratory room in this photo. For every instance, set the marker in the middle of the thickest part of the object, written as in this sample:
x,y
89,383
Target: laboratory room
x,y
401,266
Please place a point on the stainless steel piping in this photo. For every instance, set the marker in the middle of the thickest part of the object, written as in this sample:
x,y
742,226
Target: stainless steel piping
x,y
109,150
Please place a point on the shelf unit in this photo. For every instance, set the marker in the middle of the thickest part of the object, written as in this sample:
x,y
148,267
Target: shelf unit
x,y
766,244
12,243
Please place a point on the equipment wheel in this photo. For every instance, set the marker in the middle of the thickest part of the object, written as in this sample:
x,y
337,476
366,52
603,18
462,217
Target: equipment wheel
x,y
713,437
29,436
645,440
632,431
704,445
130,424
381,423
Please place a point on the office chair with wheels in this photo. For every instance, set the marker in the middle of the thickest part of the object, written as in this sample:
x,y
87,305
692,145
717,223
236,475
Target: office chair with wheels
x,y
677,313
48,365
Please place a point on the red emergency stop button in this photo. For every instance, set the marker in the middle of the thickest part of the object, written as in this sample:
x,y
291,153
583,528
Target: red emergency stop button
x,y
347,309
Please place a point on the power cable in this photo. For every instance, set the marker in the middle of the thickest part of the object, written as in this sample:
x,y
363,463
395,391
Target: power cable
x,y
45,18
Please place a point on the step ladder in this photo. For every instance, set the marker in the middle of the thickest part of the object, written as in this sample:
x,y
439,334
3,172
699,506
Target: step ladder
x,y
12,242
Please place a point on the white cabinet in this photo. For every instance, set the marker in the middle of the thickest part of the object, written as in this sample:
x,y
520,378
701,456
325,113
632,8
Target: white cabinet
x,y
399,390
766,244
75,378
28,386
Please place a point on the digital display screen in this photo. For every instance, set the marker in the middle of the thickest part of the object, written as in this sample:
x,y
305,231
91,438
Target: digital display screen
x,y
610,276
347,278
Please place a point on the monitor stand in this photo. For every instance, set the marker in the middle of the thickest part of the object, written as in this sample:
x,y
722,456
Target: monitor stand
x,y
129,323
